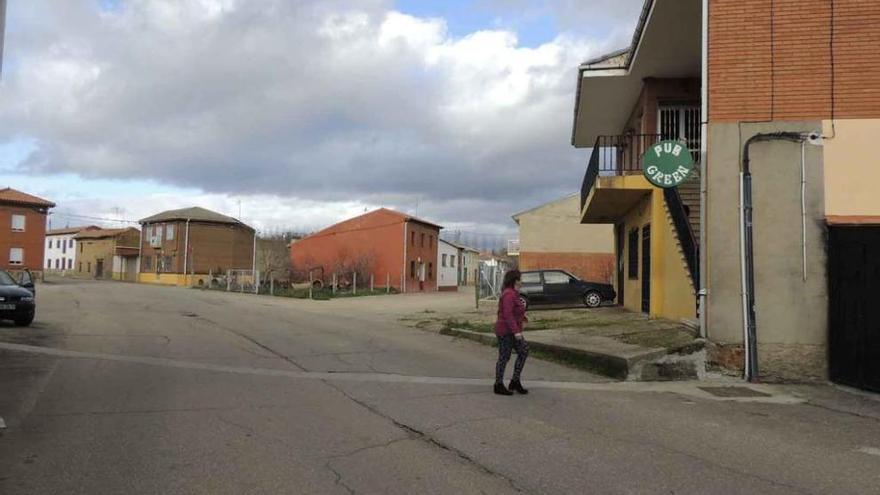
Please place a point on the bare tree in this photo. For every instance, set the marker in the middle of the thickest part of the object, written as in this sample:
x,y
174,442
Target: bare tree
x,y
273,258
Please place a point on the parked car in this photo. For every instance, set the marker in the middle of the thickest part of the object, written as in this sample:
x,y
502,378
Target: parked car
x,y
561,287
17,298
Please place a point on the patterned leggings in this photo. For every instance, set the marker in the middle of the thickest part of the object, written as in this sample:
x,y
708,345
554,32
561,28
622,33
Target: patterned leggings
x,y
506,344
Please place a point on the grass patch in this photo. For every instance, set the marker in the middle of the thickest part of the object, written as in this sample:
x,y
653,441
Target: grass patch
x,y
481,327
364,292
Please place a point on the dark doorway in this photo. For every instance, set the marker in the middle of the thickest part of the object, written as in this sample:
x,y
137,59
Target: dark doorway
x,y
99,269
620,237
854,306
646,269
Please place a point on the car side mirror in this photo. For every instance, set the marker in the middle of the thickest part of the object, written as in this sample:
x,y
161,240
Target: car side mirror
x,y
26,280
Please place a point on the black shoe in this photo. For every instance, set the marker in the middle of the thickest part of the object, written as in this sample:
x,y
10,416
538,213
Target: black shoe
x,y
501,390
517,386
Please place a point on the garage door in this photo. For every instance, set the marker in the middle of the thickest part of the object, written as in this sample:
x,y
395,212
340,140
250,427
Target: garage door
x,y
854,312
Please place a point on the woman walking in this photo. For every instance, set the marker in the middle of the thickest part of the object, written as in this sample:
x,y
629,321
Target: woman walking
x,y
508,330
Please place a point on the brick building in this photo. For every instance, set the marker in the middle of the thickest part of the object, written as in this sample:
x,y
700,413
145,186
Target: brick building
x,y
392,247
22,230
750,78
107,253
551,236
213,243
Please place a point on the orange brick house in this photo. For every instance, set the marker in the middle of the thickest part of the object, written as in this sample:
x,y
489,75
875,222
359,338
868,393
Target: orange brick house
x,y
22,230
395,248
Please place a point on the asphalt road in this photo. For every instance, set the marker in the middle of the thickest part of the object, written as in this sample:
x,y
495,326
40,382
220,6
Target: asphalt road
x,y
121,388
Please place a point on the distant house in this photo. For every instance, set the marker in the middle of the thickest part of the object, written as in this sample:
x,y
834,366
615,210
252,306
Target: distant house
x,y
107,253
396,249
61,249
448,263
469,264
22,230
552,236
183,247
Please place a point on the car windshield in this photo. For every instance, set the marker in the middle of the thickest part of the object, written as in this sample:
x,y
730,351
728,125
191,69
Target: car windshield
x,y
6,279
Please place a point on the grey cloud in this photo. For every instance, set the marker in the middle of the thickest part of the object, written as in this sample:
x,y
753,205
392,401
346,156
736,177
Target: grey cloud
x,y
262,99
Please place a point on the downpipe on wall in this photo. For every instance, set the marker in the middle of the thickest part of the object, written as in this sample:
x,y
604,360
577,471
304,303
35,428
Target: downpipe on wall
x,y
747,263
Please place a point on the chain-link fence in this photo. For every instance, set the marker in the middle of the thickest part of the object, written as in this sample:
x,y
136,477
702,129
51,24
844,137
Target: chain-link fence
x,y
490,276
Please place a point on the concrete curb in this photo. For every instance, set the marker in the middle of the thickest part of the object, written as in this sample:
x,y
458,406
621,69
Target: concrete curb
x,y
651,365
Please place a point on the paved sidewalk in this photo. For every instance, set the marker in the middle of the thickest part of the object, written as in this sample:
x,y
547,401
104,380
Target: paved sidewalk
x,y
608,340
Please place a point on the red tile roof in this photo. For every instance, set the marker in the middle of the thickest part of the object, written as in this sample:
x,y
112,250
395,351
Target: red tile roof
x,y
9,195
101,233
72,230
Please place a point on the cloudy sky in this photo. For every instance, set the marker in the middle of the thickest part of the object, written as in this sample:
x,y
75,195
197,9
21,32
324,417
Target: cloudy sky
x,y
301,113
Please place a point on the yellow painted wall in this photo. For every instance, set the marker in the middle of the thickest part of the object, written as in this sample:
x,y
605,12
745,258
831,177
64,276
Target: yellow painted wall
x,y
196,280
637,217
556,228
851,171
160,278
672,294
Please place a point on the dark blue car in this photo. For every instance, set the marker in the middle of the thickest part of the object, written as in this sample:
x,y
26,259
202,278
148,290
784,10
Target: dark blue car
x,y
17,298
561,287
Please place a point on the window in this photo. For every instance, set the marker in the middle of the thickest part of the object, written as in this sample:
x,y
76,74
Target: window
x,y
148,263
80,247
452,261
63,247
89,266
69,264
18,223
633,255
412,267
531,278
16,256
556,278
169,232
423,239
430,240
430,271
443,262
48,264
79,267
413,238
681,122
70,243
49,243
57,263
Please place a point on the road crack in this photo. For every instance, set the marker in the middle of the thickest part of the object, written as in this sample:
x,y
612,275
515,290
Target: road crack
x,y
427,438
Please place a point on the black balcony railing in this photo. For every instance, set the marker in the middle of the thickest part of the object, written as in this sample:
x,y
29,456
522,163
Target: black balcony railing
x,y
615,155
686,238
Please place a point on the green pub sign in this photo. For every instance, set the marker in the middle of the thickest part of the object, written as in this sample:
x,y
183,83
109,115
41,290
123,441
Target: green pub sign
x,y
667,163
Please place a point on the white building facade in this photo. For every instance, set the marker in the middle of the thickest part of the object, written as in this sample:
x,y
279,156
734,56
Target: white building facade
x,y
448,262
60,253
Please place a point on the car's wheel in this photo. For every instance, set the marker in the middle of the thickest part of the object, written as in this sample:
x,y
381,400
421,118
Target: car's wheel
x,y
24,321
592,299
524,300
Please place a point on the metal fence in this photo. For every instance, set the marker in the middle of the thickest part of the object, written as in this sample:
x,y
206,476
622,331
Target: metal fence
x,y
490,279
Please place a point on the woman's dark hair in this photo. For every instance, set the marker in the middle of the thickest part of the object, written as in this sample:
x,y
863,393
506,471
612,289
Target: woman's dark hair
x,y
511,277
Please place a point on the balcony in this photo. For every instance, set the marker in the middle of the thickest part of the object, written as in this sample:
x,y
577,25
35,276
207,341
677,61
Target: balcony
x,y
616,156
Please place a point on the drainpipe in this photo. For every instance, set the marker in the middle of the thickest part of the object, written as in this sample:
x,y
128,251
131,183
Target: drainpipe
x,y
186,251
747,262
140,252
254,265
704,176
403,273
